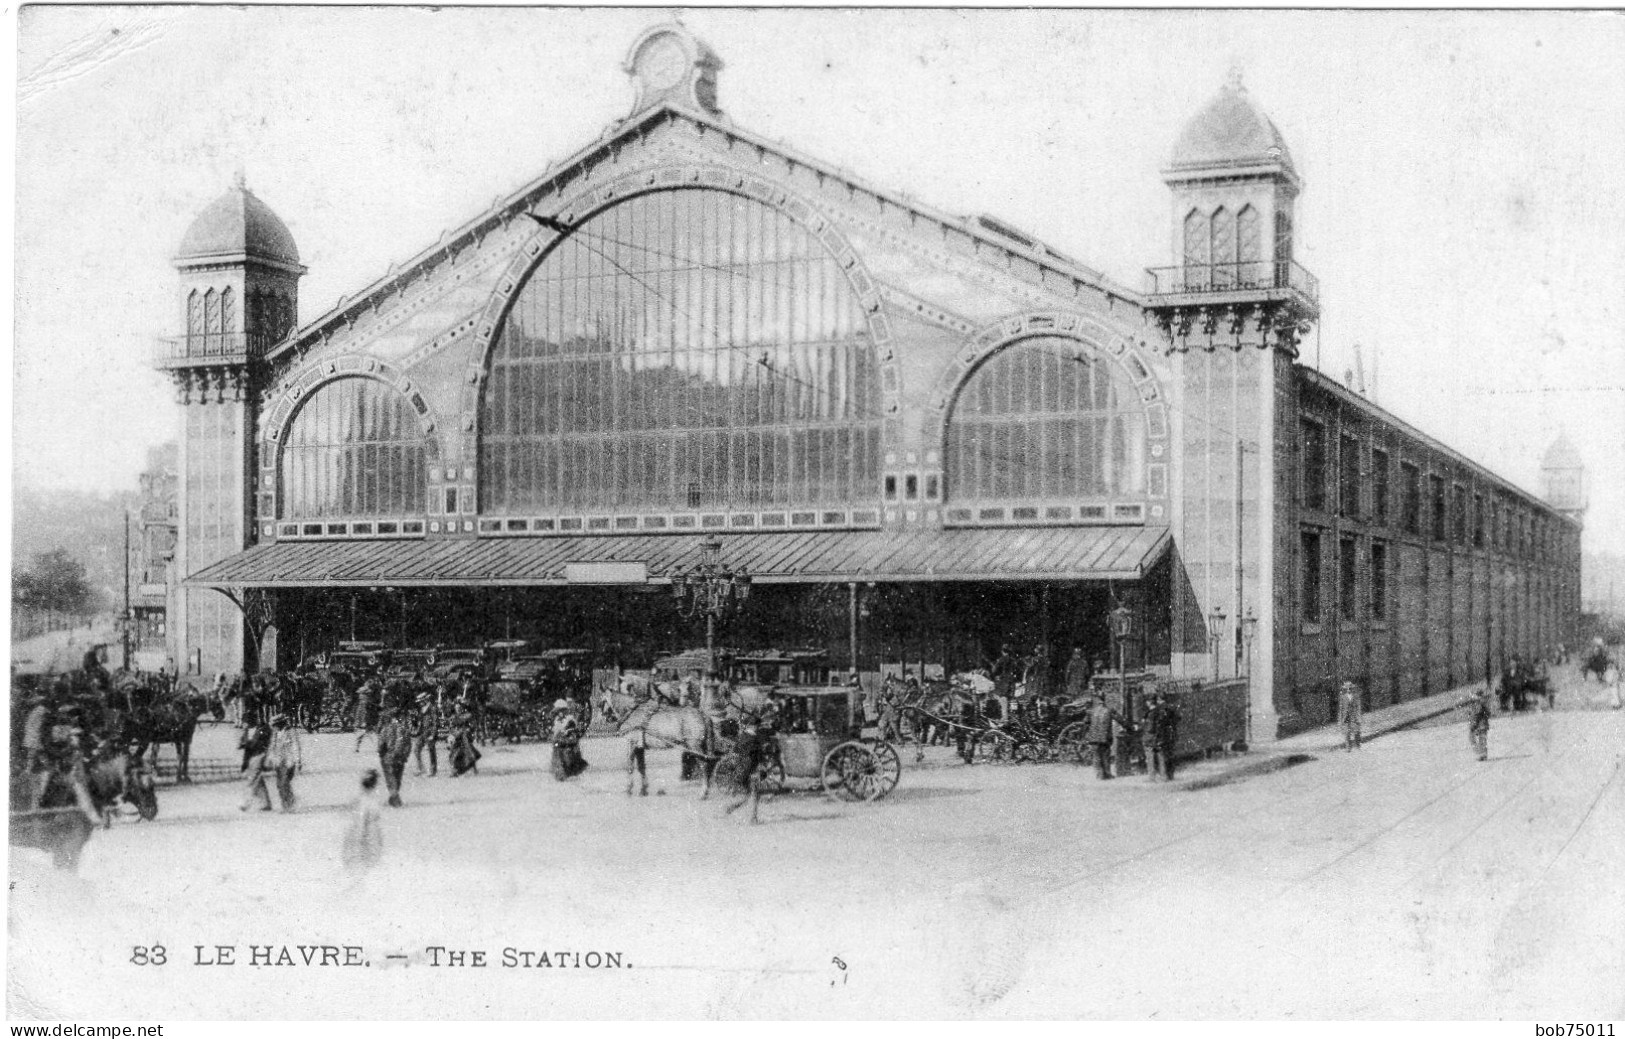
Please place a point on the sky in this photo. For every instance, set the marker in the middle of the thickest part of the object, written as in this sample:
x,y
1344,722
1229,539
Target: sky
x,y
1462,205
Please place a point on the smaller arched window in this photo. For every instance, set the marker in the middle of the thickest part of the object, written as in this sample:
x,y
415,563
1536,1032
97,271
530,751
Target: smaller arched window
x,y
354,449
1046,420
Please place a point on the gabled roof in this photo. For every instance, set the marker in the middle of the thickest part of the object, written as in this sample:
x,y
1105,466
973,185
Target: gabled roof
x,y
506,208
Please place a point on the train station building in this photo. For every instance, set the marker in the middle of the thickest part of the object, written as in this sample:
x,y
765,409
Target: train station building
x,y
932,429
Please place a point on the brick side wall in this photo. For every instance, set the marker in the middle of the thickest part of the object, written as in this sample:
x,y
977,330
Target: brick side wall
x,y
1454,605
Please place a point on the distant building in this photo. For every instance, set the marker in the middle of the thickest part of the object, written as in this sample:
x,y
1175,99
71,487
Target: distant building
x,y
152,555
933,424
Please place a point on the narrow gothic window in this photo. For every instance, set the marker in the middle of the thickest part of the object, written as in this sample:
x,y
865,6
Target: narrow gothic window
x,y
1197,254
194,314
1224,248
211,316
1249,247
228,308
1283,246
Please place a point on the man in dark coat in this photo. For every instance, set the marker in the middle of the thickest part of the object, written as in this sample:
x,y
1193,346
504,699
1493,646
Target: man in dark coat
x,y
1077,674
394,749
1162,722
1005,670
1102,721
1478,723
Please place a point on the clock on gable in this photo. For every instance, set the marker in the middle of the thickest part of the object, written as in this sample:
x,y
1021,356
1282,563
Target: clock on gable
x,y
667,63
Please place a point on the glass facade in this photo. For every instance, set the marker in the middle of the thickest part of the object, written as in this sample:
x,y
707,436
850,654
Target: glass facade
x,y
1042,419
355,448
685,349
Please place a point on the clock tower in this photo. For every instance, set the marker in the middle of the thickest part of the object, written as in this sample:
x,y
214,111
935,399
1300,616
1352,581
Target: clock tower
x,y
669,64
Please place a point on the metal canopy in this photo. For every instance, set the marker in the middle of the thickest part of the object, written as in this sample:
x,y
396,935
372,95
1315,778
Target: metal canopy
x,y
818,556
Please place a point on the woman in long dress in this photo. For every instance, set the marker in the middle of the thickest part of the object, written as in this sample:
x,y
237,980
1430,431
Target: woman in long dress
x,y
464,755
567,759
364,837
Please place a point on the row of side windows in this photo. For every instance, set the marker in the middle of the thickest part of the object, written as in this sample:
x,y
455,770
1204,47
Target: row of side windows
x,y
1452,512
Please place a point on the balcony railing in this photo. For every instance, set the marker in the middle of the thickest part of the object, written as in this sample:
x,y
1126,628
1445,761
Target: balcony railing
x,y
209,348
1248,276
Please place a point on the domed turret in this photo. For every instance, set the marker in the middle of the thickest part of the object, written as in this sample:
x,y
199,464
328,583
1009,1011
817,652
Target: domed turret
x,y
1563,475
238,225
1234,189
239,285
1232,132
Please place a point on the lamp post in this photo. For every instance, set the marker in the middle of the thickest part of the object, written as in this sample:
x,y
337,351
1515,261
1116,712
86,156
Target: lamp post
x,y
711,589
1122,631
1249,626
1215,632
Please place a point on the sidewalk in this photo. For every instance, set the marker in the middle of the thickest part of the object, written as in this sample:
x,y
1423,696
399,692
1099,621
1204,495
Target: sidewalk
x,y
1305,746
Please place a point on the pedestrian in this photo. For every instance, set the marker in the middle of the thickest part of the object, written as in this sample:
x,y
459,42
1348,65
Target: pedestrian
x,y
363,845
1349,712
255,742
1102,721
969,723
1165,730
394,748
1151,710
754,745
464,756
366,709
567,759
1077,674
426,734
889,731
1478,723
284,757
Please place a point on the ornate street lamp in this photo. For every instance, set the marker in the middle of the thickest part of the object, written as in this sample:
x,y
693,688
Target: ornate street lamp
x,y
712,590
1215,632
1249,626
1122,630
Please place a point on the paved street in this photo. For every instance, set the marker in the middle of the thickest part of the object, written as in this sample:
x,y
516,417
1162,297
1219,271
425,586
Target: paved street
x,y
1406,880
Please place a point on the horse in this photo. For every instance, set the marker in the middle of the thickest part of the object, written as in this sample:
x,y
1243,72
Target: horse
x,y
59,822
1595,663
685,727
157,718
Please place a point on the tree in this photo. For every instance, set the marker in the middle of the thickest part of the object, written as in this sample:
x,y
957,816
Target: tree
x,y
54,581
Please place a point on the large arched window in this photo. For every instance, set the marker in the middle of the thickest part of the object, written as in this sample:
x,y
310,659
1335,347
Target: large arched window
x,y
685,349
354,448
1046,419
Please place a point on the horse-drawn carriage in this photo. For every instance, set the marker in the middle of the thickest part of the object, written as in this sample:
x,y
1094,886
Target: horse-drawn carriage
x,y
815,740
519,702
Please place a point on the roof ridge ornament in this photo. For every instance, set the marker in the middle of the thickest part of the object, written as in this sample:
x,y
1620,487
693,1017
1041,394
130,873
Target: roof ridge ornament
x,y
668,63
1233,79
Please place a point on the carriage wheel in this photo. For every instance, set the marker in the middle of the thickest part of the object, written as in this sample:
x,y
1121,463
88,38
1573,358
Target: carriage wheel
x,y
1069,745
888,769
995,748
729,774
851,773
